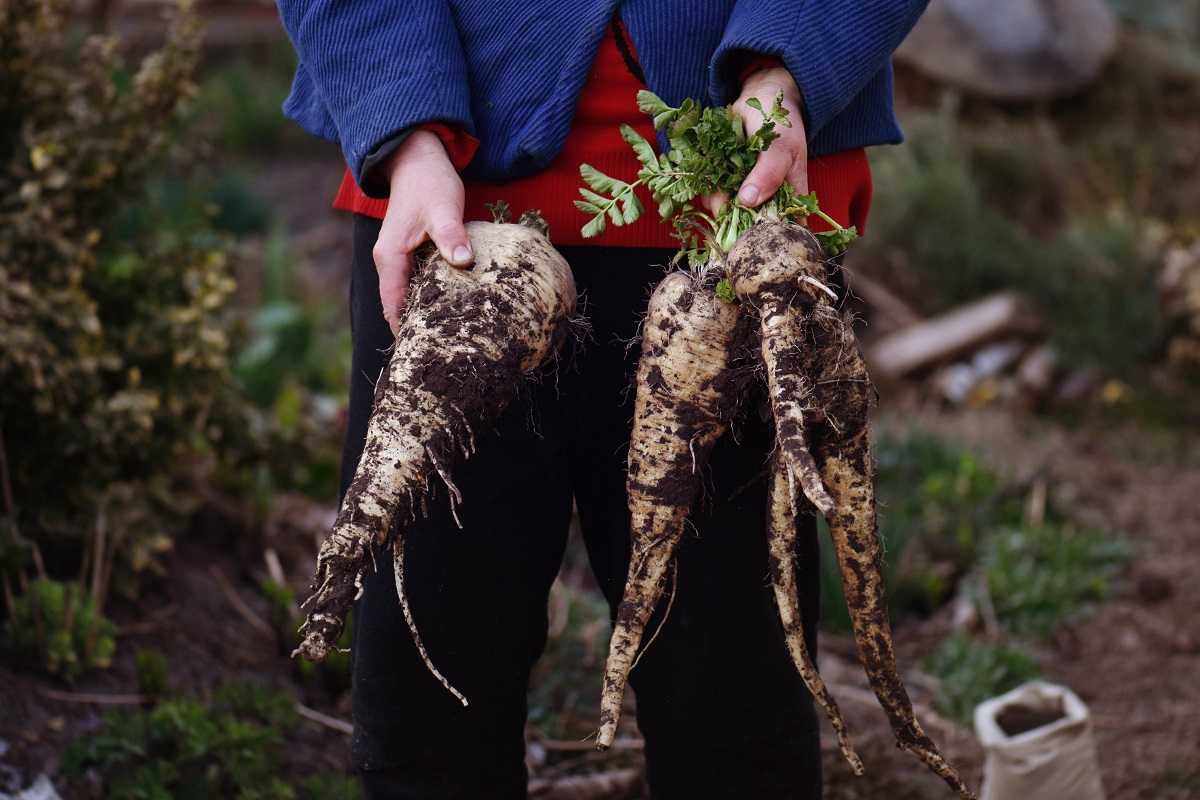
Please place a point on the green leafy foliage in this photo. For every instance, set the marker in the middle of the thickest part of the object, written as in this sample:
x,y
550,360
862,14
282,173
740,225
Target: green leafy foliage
x,y
115,341
152,673
293,370
1044,207
709,152
970,671
60,626
231,748
1039,577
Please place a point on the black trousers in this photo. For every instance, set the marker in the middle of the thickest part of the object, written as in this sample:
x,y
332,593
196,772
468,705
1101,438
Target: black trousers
x,y
723,711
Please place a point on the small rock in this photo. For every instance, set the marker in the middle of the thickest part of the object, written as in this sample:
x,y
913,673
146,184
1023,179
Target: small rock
x,y
1186,644
1154,588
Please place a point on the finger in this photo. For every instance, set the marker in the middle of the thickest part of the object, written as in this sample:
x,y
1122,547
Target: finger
x,y
395,269
715,201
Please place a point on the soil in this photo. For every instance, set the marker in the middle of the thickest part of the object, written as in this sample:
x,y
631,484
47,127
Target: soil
x,y
1135,662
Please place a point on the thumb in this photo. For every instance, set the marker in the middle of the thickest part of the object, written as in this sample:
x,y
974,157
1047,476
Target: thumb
x,y
771,170
449,235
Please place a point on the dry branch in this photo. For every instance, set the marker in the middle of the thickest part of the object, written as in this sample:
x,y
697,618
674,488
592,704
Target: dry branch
x,y
952,334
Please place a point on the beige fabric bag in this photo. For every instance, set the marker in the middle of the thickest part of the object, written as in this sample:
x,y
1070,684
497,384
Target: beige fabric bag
x,y
1041,757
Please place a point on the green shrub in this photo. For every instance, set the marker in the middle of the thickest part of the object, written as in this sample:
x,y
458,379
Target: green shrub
x,y
1039,577
60,626
233,747
115,340
973,212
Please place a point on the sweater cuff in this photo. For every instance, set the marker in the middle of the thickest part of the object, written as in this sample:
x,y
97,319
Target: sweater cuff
x,y
460,147
756,63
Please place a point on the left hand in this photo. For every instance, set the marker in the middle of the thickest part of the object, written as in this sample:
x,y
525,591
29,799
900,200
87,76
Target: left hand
x,y
787,157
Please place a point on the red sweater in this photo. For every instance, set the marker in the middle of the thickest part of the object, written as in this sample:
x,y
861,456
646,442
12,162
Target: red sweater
x,y
842,181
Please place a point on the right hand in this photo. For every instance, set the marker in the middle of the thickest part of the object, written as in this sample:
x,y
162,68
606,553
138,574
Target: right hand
x,y
425,204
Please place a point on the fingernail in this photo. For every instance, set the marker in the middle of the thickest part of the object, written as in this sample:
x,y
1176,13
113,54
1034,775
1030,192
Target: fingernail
x,y
462,254
748,195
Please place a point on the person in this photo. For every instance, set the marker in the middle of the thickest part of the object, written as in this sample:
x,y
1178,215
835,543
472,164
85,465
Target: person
x,y
444,106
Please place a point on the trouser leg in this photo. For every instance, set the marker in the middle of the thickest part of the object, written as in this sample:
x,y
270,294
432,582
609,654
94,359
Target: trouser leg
x,y
478,595
723,709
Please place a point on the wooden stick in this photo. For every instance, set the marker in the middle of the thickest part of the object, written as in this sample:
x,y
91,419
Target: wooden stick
x,y
238,604
324,719
95,699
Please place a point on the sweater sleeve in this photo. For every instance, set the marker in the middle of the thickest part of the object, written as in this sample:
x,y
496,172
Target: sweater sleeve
x,y
377,69
833,49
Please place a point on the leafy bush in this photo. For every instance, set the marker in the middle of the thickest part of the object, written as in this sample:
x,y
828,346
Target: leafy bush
x,y
230,748
60,626
971,671
1039,577
115,340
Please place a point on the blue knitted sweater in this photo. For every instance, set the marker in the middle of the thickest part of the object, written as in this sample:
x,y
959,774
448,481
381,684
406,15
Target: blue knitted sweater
x,y
510,72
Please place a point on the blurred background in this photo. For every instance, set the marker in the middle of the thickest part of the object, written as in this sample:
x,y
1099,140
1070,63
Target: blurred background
x,y
174,353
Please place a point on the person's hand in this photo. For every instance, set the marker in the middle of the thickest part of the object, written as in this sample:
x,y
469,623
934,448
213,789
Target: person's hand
x,y
787,157
425,204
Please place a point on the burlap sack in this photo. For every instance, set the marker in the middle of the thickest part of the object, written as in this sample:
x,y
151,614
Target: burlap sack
x,y
1054,761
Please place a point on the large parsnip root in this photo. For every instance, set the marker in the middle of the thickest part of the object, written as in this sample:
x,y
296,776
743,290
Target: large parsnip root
x,y
467,339
820,392
686,395
781,550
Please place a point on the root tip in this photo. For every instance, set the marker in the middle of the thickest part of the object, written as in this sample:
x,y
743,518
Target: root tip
x,y
604,739
312,650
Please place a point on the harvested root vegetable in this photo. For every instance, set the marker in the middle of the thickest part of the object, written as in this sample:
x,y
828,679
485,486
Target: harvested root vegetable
x,y
467,340
818,369
685,398
817,384
781,550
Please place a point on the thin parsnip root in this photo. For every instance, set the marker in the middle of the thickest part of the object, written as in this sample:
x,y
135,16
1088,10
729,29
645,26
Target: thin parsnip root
x,y
467,340
784,286
686,395
818,366
781,554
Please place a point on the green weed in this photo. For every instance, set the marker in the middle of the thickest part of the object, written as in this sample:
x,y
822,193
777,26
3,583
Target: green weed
x,y
232,747
970,671
58,626
1039,577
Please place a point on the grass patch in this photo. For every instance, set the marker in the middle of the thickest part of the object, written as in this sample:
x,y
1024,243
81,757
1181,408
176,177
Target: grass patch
x,y
970,671
1039,577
